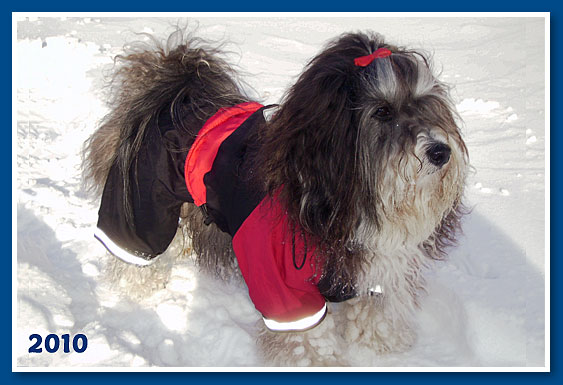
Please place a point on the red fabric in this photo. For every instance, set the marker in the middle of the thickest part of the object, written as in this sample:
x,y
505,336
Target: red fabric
x,y
204,150
364,61
264,249
263,244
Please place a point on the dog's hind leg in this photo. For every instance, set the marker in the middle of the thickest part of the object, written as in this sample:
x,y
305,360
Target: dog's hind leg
x,y
211,247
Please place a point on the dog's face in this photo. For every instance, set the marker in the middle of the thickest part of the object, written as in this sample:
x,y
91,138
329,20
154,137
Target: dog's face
x,y
367,156
409,145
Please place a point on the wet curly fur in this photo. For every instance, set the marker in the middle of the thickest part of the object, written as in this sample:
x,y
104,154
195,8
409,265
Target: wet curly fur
x,y
351,149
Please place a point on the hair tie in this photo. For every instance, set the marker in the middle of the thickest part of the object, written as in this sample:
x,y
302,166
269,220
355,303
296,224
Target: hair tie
x,y
364,61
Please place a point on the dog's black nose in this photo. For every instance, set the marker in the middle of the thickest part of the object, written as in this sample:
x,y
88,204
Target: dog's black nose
x,y
439,154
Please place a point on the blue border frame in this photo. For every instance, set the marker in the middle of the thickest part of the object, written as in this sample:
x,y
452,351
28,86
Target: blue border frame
x,y
294,5
286,6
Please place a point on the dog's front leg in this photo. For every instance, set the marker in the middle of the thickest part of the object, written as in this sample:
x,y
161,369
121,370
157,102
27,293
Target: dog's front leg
x,y
377,323
319,346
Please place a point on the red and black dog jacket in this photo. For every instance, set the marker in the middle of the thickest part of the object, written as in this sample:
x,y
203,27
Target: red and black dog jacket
x,y
215,173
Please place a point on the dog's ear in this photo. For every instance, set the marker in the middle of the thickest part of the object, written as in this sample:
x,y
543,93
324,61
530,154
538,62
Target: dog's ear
x,y
310,147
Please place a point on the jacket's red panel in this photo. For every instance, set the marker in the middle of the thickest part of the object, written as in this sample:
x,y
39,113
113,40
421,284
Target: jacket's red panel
x,y
209,138
264,249
263,242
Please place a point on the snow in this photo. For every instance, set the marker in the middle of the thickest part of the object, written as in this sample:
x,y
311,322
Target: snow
x,y
485,305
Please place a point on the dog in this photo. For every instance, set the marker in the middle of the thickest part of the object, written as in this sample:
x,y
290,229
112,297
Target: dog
x,y
331,204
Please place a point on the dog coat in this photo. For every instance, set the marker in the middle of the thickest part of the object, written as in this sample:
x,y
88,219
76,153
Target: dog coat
x,y
276,260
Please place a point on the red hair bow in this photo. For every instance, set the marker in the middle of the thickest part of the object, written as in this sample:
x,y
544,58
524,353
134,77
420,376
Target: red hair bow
x,y
364,61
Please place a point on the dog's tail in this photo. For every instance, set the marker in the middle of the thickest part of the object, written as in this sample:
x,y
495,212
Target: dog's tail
x,y
184,76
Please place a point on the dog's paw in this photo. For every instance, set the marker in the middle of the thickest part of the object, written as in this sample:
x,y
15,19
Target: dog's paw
x,y
319,346
367,324
134,281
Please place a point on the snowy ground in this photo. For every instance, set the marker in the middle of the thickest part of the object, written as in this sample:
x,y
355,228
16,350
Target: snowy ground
x,y
486,305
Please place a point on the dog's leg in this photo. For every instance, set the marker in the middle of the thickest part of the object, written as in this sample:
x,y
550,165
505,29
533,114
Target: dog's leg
x,y
382,318
320,346
372,323
212,248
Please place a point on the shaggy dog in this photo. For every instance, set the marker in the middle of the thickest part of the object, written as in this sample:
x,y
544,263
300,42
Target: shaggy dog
x,y
359,172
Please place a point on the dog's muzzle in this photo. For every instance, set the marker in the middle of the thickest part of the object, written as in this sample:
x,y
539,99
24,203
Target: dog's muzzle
x,y
438,154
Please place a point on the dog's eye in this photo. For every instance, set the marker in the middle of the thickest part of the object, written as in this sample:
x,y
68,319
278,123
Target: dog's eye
x,y
382,113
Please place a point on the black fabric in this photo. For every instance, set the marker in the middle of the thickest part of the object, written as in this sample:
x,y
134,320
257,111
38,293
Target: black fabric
x,y
335,291
231,192
157,193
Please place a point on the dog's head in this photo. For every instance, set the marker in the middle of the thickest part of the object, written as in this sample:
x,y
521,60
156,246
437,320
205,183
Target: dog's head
x,y
365,147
